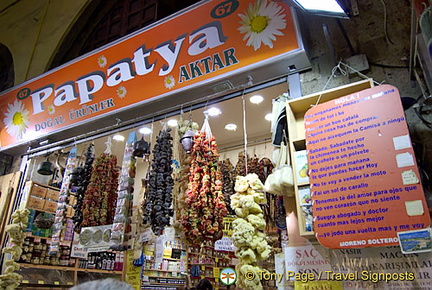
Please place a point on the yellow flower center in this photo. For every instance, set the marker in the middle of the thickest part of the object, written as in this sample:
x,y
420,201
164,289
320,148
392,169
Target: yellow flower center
x,y
18,119
259,23
168,81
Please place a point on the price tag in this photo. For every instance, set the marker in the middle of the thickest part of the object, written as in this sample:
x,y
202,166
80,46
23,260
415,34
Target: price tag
x,y
216,272
203,268
41,282
56,283
217,260
25,281
69,283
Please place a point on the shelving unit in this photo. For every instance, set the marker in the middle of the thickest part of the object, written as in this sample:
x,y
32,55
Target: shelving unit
x,y
296,110
46,274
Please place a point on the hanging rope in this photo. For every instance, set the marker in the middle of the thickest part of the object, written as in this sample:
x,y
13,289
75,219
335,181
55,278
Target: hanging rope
x,y
244,131
344,72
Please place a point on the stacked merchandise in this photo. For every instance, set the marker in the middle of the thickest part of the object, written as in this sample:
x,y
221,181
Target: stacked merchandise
x,y
125,192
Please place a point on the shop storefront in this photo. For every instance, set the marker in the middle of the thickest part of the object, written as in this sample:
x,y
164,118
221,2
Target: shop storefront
x,y
155,161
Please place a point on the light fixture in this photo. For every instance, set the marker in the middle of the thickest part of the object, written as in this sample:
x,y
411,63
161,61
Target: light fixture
x,y
332,8
119,137
145,130
213,111
256,99
172,123
269,117
231,127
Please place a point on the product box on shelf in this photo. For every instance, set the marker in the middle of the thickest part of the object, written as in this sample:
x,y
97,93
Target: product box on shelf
x,y
50,206
37,190
301,166
35,202
52,194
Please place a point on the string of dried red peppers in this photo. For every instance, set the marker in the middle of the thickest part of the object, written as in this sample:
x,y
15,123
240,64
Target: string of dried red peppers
x,y
101,194
205,201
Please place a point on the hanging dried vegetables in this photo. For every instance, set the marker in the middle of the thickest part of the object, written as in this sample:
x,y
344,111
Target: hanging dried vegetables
x,y
80,179
158,208
227,170
253,165
101,194
182,174
240,169
205,202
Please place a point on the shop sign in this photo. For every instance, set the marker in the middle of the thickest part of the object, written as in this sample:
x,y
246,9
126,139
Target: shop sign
x,y
305,263
227,226
133,272
365,185
383,268
78,250
205,43
225,244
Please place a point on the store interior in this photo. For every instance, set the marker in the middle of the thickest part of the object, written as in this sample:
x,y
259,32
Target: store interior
x,y
238,124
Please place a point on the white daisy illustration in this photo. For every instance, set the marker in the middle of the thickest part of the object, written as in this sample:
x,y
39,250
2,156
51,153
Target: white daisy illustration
x,y
17,119
51,109
261,23
102,61
169,82
121,92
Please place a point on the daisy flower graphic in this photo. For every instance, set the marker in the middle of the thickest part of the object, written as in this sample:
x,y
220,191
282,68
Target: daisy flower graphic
x,y
102,61
17,119
51,110
261,23
121,92
169,82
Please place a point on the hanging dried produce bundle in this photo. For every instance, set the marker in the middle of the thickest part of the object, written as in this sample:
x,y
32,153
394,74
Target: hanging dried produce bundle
x,y
240,168
158,207
227,170
253,165
182,175
205,202
80,179
9,278
101,194
247,236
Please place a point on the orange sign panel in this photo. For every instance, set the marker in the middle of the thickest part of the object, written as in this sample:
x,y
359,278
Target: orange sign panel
x,y
207,41
365,184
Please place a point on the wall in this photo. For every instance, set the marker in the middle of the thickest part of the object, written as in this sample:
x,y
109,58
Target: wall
x,y
32,30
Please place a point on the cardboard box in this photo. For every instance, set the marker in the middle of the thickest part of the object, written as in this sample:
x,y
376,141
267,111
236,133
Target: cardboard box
x,y
70,211
38,190
52,194
50,206
301,166
35,202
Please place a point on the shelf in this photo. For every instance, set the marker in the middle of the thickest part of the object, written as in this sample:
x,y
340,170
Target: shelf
x,y
169,284
157,270
303,184
49,267
172,259
99,271
164,277
301,105
67,268
200,264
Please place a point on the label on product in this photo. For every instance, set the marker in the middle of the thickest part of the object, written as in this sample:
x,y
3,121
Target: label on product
x,y
363,170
